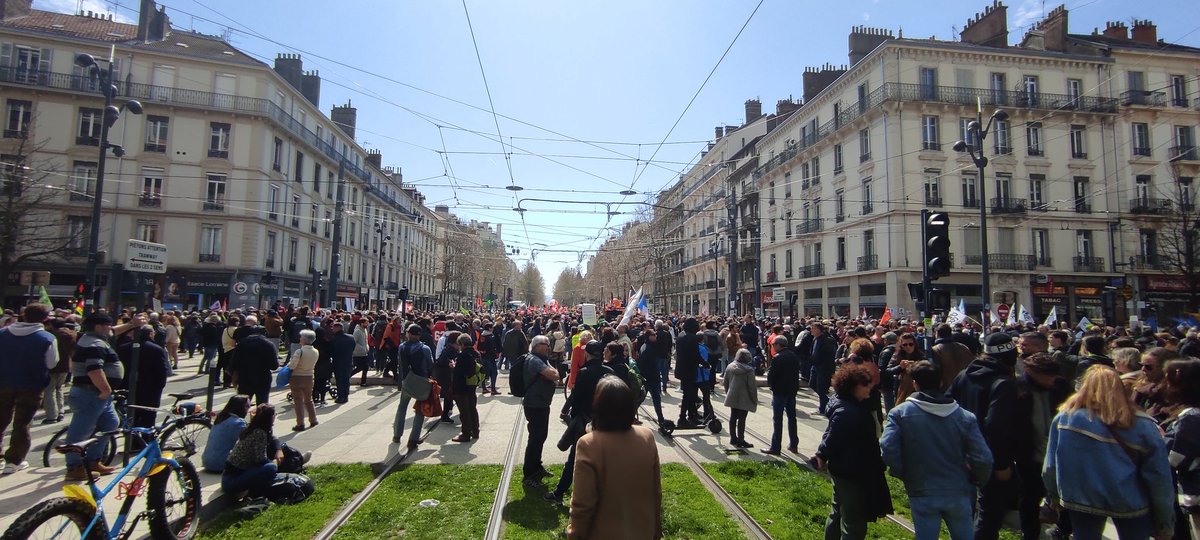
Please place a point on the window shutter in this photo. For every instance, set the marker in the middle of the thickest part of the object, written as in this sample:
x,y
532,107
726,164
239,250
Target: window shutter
x,y
6,56
47,60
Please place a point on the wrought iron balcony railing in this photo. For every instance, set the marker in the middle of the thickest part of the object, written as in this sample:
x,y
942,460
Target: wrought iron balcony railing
x,y
210,257
1088,264
812,270
868,262
150,201
1145,98
1009,205
1146,205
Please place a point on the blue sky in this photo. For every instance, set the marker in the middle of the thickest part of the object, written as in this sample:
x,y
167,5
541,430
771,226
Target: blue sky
x,y
564,72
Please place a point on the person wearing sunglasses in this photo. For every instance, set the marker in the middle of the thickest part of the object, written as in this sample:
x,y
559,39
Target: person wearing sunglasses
x,y
907,353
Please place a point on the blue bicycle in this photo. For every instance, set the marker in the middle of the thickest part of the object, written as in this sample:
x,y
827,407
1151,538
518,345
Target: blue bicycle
x,y
171,487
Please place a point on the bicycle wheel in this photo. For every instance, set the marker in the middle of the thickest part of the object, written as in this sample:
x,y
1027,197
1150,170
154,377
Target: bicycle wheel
x,y
51,457
186,438
56,518
174,500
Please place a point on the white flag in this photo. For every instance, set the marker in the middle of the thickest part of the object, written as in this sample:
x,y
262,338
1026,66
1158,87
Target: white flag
x,y
955,316
349,304
1025,316
1084,323
1052,318
631,306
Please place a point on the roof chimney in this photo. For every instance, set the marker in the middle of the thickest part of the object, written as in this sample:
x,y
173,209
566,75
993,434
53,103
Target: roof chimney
x,y
818,79
310,87
753,110
1053,30
345,117
1145,31
863,40
720,133
153,23
1116,30
11,9
375,157
785,106
291,68
989,28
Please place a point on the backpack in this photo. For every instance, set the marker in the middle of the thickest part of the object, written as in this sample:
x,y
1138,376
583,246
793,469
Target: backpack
x,y
713,341
293,460
556,345
476,376
636,382
290,488
516,376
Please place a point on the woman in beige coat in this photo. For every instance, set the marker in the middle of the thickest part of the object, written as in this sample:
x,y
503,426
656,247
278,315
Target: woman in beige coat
x,y
304,362
618,490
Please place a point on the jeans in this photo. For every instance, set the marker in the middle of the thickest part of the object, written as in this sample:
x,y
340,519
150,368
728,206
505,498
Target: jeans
x,y
1091,526
929,512
889,399
89,414
398,425
537,422
655,390
256,480
783,405
737,424
341,376
819,382
568,475
210,354
52,396
664,371
847,516
490,372
17,408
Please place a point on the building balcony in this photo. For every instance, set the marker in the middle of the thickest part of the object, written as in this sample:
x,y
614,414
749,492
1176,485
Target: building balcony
x,y
1149,262
1034,152
1144,98
1038,206
149,201
83,140
1146,205
868,262
866,208
1008,205
1184,153
935,202
1082,207
1020,99
1078,154
1088,264
292,266
748,253
1141,151
839,218
220,154
971,202
79,197
76,251
270,263
1006,261
808,226
812,271
158,148
214,206
931,146
210,257
772,277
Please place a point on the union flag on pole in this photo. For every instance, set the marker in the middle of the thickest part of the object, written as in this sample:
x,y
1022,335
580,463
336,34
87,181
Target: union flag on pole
x,y
887,315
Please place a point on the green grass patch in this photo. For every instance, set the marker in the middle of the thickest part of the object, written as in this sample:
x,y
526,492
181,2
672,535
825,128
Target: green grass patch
x,y
786,500
689,510
464,494
336,484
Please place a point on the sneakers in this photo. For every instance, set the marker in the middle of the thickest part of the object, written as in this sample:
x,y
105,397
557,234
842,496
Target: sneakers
x,y
79,474
553,498
532,482
14,467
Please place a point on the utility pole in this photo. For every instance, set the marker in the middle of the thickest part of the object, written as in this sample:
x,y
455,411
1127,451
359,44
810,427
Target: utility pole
x,y
733,248
336,261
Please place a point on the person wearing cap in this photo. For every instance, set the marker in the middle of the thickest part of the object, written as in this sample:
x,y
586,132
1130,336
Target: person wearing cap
x,y
29,354
1040,391
987,388
414,357
95,372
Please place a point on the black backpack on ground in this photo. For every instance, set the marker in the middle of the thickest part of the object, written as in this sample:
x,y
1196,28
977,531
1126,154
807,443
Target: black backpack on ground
x,y
290,488
516,376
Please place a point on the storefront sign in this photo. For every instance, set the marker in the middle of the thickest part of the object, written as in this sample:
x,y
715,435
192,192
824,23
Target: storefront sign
x,y
1166,284
243,292
778,294
1049,289
1087,291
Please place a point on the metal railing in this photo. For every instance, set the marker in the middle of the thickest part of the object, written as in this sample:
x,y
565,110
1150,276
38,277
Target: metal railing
x,y
1008,205
1088,264
868,262
867,208
210,257
1184,152
1011,261
214,206
935,202
1146,98
1143,151
808,226
1146,205
1150,262
1082,207
812,270
970,202
150,201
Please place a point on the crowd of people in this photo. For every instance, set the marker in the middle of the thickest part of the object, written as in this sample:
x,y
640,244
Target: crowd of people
x,y
975,423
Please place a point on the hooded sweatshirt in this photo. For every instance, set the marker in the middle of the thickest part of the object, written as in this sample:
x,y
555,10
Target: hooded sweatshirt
x,y
988,390
935,447
30,352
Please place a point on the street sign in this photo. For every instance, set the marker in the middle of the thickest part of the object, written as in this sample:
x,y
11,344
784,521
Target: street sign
x,y
778,294
146,257
1127,292
1002,310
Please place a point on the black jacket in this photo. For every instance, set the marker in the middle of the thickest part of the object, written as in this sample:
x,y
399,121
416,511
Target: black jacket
x,y
153,370
465,365
849,444
987,388
580,401
784,376
253,359
687,358
210,334
821,351
1026,436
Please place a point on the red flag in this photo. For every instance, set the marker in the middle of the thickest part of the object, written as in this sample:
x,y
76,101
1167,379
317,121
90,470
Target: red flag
x,y
224,305
887,315
478,301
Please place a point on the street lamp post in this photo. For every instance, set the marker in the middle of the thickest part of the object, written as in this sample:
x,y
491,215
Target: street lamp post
x,y
977,131
715,249
384,238
110,116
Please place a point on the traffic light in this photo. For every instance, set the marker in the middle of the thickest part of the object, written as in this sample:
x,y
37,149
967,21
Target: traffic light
x,y
81,291
508,296
936,228
404,294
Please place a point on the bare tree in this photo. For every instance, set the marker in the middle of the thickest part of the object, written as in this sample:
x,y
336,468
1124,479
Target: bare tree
x,y
532,288
1180,235
31,227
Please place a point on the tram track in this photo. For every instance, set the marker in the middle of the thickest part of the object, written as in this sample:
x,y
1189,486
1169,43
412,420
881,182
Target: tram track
x,y
495,526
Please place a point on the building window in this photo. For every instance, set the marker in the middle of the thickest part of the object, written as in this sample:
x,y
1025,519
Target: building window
x,y
146,231
1148,238
277,155
1141,139
1083,197
78,237
787,264
1074,92
771,194
773,272
273,202
214,195
157,128
293,253
928,79
1079,142
299,169
772,230
1002,137
862,98
1084,248
965,134
1037,191
1186,204
270,259
1041,247
998,88
329,185
933,188
353,232
1185,144
89,126
1141,192
218,140
840,205
152,183
1003,190
816,170
864,145
841,253
20,114
787,224
210,243
787,184
929,133
805,175
312,255
838,166
1031,90
12,175
83,181
295,210
1033,139
1179,91
866,196
312,222
328,224
316,177
970,191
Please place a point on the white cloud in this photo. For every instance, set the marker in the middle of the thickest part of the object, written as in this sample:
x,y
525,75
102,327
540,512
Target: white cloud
x,y
1027,13
95,6
866,16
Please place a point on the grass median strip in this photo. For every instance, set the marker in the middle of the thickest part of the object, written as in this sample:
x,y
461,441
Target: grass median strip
x,y
463,493
336,484
790,502
689,510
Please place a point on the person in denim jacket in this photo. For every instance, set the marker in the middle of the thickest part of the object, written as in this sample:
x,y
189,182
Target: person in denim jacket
x,y
1125,475
936,448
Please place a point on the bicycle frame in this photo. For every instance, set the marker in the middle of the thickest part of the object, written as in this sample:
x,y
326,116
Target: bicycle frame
x,y
152,460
